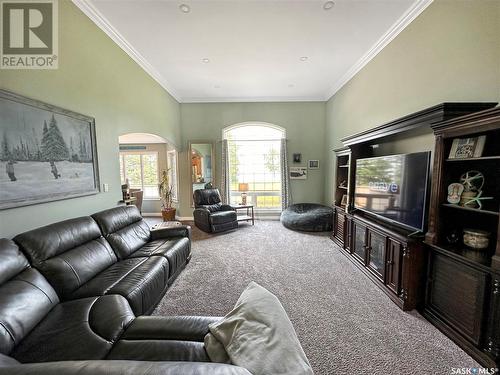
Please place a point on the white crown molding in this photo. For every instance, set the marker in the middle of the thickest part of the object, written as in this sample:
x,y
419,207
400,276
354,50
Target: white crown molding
x,y
257,99
91,11
413,12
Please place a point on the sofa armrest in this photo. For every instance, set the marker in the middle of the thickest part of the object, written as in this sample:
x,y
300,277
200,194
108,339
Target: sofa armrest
x,y
201,214
184,328
177,231
226,207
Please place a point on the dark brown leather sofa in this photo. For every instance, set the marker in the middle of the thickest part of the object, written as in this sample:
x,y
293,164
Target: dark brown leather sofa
x,y
73,310
112,252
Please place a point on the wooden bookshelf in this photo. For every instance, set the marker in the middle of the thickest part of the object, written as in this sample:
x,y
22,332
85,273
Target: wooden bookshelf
x,y
463,284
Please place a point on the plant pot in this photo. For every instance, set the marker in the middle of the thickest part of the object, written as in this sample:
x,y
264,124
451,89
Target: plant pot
x,y
168,214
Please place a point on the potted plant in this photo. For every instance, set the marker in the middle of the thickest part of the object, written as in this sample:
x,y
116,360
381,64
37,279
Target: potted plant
x,y
167,211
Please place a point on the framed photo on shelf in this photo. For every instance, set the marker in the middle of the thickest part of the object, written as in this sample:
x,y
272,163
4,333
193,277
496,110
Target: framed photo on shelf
x,y
313,164
297,158
463,148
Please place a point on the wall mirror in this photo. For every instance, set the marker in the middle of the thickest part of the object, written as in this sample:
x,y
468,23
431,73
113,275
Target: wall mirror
x,y
201,161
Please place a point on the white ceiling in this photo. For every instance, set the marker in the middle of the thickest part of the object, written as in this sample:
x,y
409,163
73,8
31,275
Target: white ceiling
x,y
254,47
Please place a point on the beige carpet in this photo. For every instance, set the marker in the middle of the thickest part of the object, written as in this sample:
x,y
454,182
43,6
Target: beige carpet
x,y
344,322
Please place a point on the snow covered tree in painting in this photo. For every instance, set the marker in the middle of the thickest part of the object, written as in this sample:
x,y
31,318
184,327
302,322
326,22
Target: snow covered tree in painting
x,y
54,146
44,155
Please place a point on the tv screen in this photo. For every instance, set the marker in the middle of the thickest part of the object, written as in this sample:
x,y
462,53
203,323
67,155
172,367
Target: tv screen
x,y
394,187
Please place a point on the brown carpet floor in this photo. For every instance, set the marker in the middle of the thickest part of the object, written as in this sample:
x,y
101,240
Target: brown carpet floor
x,y
345,323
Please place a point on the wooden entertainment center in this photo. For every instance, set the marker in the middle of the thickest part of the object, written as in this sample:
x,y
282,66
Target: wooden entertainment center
x,y
458,295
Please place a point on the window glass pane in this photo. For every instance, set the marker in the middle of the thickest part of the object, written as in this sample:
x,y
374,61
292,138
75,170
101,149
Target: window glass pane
x,y
133,170
254,160
141,171
122,175
172,165
150,175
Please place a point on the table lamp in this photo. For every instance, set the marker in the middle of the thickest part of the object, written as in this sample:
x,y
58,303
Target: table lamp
x,y
243,187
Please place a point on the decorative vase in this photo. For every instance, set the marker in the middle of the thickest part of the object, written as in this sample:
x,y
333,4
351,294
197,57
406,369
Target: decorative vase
x,y
168,214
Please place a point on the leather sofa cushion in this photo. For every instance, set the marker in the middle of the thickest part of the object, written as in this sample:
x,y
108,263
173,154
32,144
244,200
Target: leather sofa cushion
x,y
176,251
222,217
123,368
24,302
124,228
12,261
51,240
80,329
203,197
68,253
140,280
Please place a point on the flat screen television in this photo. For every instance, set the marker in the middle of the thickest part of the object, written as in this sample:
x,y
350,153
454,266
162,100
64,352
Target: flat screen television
x,y
394,188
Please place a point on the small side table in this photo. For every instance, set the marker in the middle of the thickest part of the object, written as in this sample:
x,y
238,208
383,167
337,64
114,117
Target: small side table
x,y
249,216
166,224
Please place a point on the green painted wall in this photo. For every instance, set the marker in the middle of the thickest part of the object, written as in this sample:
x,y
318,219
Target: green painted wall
x,y
96,78
304,123
451,52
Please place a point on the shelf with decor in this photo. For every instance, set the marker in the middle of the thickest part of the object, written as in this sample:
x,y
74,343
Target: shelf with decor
x,y
341,195
475,210
463,278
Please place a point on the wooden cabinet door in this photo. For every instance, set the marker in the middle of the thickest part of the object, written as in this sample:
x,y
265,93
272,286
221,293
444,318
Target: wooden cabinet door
x,y
456,293
359,242
339,226
493,339
376,243
393,265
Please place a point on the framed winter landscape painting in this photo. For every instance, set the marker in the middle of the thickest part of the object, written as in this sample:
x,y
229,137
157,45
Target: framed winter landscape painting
x,y
46,153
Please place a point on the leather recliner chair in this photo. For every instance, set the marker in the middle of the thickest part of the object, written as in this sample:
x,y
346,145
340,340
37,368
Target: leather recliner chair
x,y
210,215
97,335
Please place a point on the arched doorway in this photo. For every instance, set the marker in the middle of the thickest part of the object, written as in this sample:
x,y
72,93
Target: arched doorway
x,y
254,159
143,157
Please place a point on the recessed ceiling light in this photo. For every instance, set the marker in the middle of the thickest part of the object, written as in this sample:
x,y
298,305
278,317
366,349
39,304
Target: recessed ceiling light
x,y
185,8
205,60
328,5
304,58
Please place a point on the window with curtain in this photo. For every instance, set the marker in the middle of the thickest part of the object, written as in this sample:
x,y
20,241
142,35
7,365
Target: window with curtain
x,y
254,164
141,171
172,172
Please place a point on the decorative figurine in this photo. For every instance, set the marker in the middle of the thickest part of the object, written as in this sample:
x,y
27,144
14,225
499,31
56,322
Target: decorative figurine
x,y
455,191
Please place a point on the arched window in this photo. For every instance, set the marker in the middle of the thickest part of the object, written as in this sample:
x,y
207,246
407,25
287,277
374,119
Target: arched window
x,y
254,164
